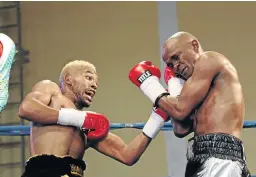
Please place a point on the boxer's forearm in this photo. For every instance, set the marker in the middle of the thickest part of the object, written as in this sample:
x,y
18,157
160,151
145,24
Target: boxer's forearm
x,y
173,108
133,151
35,111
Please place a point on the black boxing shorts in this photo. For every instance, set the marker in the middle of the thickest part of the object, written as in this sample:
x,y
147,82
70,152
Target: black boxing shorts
x,y
53,166
216,155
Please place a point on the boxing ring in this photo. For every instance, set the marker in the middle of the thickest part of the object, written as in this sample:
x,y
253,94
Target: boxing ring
x,y
24,130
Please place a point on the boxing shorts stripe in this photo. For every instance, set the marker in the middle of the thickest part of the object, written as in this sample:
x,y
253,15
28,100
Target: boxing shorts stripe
x,y
207,147
54,166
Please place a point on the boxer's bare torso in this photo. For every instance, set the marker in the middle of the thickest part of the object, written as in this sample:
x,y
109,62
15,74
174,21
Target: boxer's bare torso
x,y
222,110
56,139
212,94
50,131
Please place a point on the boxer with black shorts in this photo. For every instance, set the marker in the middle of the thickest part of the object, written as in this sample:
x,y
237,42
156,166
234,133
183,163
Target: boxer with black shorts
x,y
212,95
61,132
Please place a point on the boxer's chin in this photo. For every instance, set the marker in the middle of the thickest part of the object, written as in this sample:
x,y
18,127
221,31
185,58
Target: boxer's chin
x,y
86,103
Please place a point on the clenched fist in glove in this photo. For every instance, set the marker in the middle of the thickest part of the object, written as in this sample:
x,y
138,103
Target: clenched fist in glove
x,y
146,76
97,125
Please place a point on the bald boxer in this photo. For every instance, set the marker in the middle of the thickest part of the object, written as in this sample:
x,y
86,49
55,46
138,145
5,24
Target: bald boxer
x,y
7,53
212,92
61,132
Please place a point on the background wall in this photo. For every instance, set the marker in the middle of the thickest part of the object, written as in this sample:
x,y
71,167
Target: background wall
x,y
115,36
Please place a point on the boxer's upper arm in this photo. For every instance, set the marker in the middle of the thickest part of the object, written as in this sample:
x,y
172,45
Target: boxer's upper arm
x,y
44,98
195,89
41,93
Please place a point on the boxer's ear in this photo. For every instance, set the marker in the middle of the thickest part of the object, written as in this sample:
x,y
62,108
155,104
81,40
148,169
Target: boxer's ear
x,y
195,45
68,80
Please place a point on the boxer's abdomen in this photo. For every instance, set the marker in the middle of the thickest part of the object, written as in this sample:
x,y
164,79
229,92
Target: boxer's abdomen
x,y
55,139
51,140
223,108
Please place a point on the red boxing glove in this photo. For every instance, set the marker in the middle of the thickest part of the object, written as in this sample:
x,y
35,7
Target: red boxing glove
x,y
146,76
97,124
168,74
142,71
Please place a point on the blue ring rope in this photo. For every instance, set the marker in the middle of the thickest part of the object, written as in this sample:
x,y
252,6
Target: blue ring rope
x,y
24,130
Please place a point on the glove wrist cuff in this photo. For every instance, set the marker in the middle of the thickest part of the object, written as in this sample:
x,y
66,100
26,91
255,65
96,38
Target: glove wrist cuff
x,y
72,117
159,97
153,125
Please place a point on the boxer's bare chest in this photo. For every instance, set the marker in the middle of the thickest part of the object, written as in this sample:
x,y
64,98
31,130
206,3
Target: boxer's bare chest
x,y
63,140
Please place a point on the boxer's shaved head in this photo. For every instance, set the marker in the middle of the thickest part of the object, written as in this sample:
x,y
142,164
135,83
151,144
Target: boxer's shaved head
x,y
178,38
180,51
79,78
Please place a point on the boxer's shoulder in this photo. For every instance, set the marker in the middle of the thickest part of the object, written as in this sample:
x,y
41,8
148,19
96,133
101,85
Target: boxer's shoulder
x,y
215,61
215,56
51,88
210,61
47,86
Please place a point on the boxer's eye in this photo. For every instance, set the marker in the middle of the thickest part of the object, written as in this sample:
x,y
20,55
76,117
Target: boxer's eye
x,y
170,65
175,57
88,78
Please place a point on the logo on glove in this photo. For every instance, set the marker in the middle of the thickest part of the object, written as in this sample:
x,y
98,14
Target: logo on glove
x,y
144,76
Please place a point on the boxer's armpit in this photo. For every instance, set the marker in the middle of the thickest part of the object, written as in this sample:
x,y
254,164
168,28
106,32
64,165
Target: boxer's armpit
x,y
194,90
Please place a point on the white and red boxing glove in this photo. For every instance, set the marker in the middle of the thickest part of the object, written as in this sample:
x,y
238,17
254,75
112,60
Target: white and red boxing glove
x,y
174,83
156,120
97,125
146,76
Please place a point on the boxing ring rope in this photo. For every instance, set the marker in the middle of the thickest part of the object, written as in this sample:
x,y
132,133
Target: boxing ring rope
x,y
24,130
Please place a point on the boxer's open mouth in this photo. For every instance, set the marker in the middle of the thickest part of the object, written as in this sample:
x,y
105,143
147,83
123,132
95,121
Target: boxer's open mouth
x,y
90,93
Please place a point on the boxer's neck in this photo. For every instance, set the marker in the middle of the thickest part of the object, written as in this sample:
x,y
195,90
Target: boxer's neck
x,y
71,96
